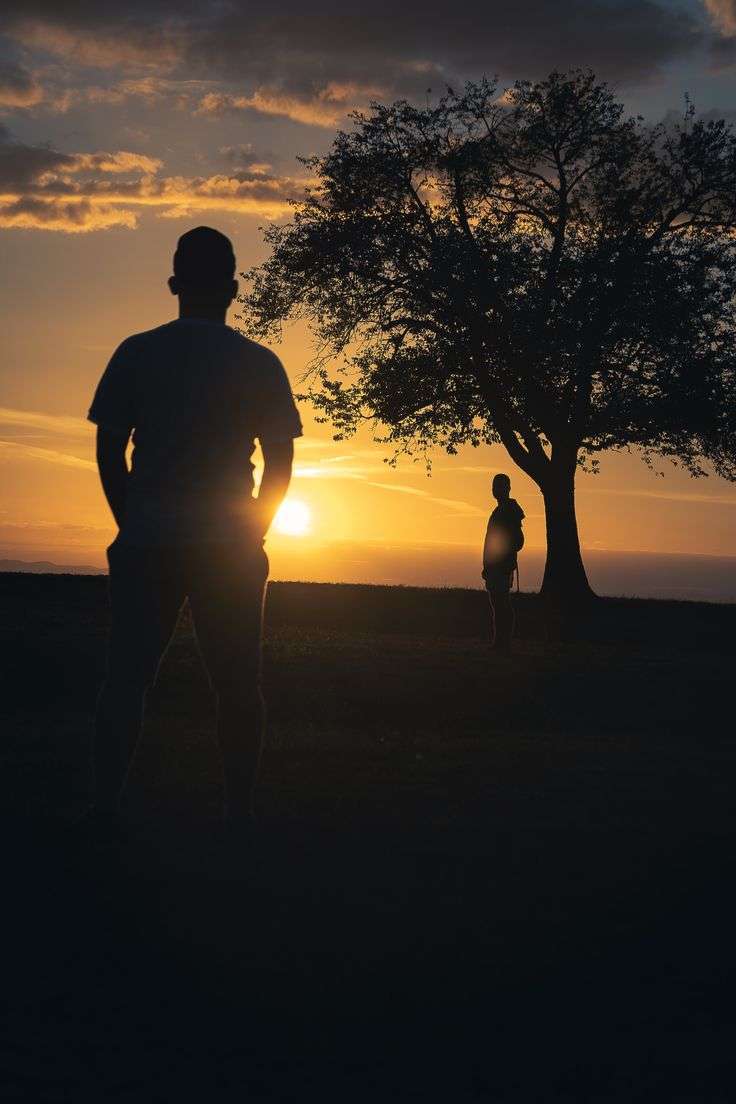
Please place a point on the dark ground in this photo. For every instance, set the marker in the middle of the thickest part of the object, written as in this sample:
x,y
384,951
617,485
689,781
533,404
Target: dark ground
x,y
477,880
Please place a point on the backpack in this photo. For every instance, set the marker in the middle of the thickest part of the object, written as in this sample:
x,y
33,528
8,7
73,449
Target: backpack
x,y
513,515
506,519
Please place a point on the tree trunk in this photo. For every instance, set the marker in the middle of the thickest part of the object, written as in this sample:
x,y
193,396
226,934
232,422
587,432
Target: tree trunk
x,y
565,582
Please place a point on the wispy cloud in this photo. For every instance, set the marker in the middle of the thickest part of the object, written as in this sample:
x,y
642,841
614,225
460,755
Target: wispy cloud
x,y
452,503
466,469
311,471
666,496
363,465
60,427
49,423
51,526
12,449
324,107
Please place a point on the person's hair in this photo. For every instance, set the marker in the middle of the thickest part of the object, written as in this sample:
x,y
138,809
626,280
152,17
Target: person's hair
x,y
501,483
204,260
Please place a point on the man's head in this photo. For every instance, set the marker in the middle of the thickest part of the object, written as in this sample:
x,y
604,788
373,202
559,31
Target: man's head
x,y
501,487
204,269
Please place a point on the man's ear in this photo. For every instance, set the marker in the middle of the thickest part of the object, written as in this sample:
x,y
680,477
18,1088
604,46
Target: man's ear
x,y
173,285
234,288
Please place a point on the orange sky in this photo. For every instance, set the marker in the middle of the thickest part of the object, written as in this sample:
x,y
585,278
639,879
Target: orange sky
x,y
116,137
70,303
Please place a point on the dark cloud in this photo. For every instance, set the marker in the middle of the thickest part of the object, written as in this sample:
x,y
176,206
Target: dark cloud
x,y
18,87
723,14
723,54
21,165
246,156
300,49
722,47
29,212
674,118
44,189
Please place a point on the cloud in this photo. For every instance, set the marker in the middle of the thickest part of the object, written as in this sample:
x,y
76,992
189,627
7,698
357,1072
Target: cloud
x,y
45,189
357,466
18,87
137,40
20,164
285,60
453,503
723,54
322,473
10,450
72,217
325,107
48,423
61,427
343,468
672,118
246,157
663,496
121,162
723,14
723,49
149,90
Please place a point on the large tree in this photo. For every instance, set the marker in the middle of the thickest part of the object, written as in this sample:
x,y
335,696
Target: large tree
x,y
534,268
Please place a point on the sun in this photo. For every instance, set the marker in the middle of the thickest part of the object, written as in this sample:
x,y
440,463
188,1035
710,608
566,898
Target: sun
x,y
293,518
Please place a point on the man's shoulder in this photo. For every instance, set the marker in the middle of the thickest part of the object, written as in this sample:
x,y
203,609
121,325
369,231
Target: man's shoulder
x,y
174,333
509,512
138,341
254,352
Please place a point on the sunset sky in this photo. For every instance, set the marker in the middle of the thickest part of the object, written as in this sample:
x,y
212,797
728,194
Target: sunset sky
x,y
123,125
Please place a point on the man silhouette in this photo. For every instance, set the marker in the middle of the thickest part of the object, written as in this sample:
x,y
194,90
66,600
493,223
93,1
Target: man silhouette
x,y
504,539
195,395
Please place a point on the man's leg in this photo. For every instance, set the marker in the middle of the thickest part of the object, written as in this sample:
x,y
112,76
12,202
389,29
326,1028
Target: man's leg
x,y
492,608
499,595
145,603
226,599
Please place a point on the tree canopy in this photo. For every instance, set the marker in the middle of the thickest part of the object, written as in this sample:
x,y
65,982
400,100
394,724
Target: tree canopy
x,y
534,268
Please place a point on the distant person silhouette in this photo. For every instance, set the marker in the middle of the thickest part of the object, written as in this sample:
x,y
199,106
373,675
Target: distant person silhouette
x,y
195,395
504,539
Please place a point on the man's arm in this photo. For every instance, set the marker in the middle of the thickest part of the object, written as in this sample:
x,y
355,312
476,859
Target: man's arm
x,y
113,469
278,457
486,550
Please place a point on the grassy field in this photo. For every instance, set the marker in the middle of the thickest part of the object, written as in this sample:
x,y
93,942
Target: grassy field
x,y
478,879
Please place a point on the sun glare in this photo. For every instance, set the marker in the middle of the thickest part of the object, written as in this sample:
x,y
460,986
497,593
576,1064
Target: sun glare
x,y
293,518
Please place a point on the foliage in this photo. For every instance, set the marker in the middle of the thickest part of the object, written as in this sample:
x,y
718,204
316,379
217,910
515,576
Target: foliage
x,y
534,268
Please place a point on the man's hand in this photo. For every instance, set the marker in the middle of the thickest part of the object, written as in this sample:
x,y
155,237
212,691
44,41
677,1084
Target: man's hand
x,y
113,469
278,457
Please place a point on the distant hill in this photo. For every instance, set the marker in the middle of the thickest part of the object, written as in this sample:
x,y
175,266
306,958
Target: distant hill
x,y
669,576
45,567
